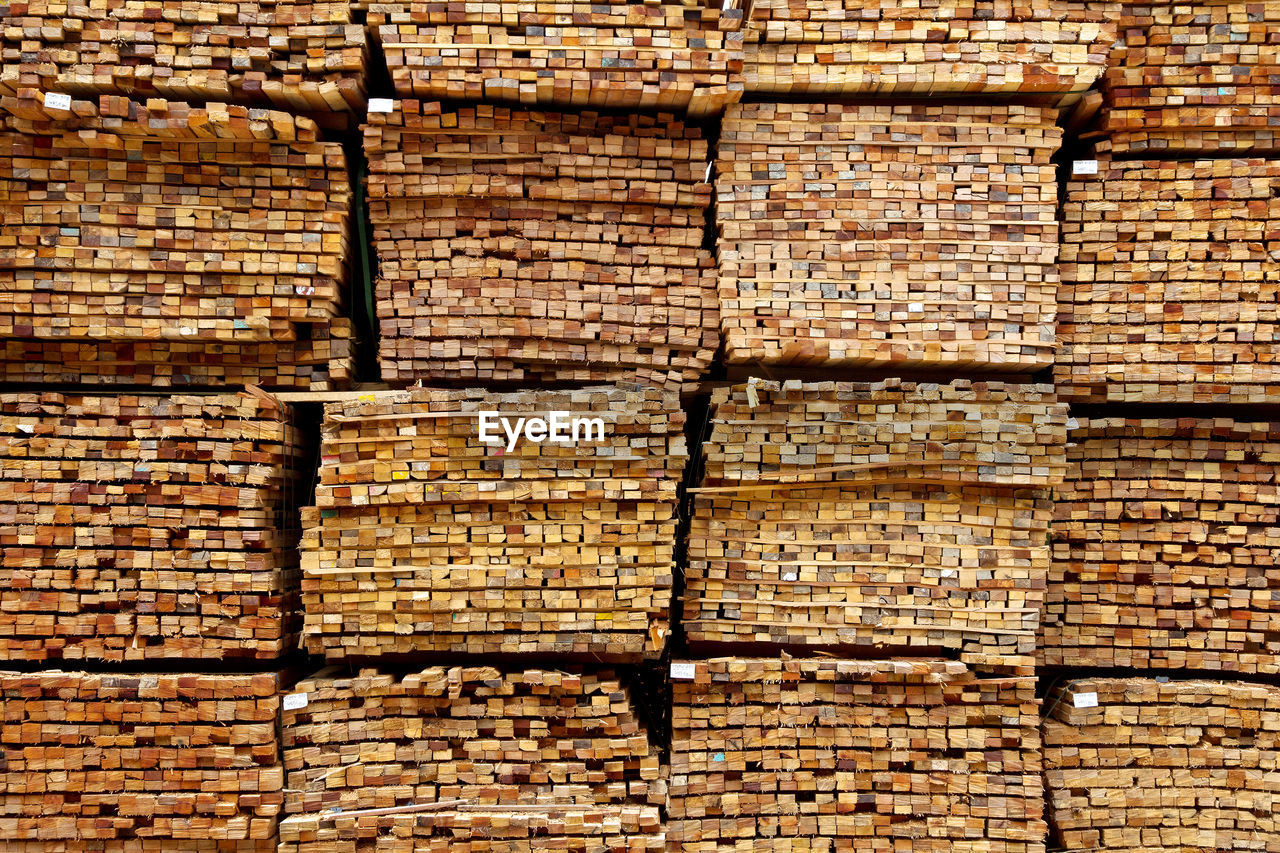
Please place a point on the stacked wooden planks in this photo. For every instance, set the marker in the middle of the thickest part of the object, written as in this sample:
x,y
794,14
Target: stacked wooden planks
x,y
1048,50
659,56
426,537
888,235
530,247
468,758
903,756
296,54
1165,543
112,763
1135,764
165,244
889,514
143,527
1196,77
1169,283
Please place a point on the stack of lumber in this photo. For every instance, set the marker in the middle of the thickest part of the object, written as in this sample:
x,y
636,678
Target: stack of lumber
x,y
426,538
1169,283
1047,50
529,247
885,514
888,235
664,55
118,763
1135,765
142,527
1166,536
468,759
1194,77
296,54
838,755
170,245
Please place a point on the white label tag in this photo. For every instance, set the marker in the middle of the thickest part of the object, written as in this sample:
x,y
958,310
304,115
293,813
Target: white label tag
x,y
57,101
381,105
684,671
1072,423
1085,700
1084,167
294,701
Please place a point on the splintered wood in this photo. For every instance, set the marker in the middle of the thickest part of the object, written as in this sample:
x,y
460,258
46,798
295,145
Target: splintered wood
x,y
894,515
894,757
1134,765
1165,544
1169,283
302,56
163,244
530,247
468,759
1050,50
888,236
1194,77
616,54
427,536
137,528
117,763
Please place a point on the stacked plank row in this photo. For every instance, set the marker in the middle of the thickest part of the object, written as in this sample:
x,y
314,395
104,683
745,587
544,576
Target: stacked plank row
x,y
170,245
299,55
888,236
139,762
534,247
1169,283
468,758
436,531
141,527
887,515
1135,764
799,755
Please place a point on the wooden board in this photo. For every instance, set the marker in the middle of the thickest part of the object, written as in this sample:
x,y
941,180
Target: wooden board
x,y
540,247
1133,764
468,758
837,755
888,236
426,539
890,515
1169,283
658,56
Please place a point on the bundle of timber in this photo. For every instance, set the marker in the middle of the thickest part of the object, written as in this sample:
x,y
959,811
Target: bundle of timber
x,y
681,56
142,527
922,236
468,758
888,514
1197,77
463,521
518,246
296,54
1135,765
903,756
164,244
140,762
1169,285
1049,51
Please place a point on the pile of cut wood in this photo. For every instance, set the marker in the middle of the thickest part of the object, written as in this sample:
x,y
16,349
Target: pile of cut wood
x,y
1169,284
919,236
431,535
140,762
800,755
1196,77
1135,764
1049,50
468,758
297,54
163,244
145,527
1165,544
886,514
661,55
519,246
